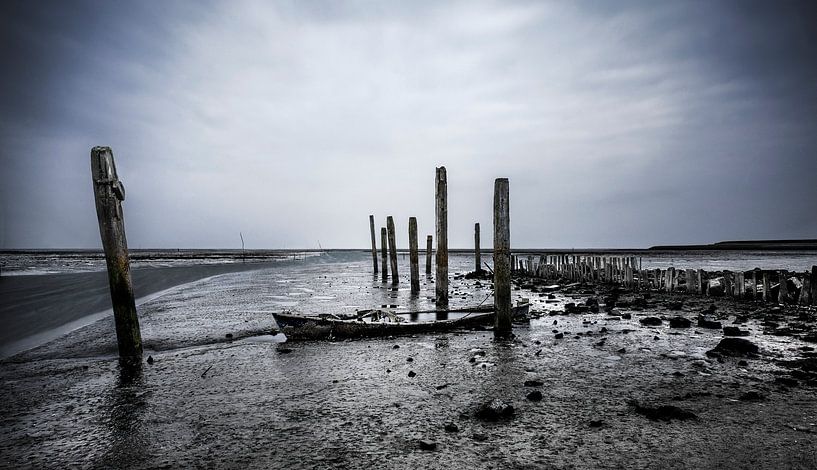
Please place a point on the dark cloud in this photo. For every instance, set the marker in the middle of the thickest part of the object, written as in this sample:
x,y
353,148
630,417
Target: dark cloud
x,y
618,123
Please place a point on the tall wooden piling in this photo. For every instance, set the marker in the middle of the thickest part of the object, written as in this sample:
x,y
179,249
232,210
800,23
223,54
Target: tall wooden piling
x,y
429,250
441,226
109,194
502,254
395,278
413,256
384,257
767,287
477,254
374,244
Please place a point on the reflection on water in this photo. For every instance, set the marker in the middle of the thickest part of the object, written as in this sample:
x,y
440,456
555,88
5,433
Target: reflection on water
x,y
123,411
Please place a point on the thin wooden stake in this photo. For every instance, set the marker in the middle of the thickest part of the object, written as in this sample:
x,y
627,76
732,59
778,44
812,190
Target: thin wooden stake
x,y
441,225
477,254
413,256
374,244
384,249
395,278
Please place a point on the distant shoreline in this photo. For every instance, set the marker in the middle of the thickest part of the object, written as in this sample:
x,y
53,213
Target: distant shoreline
x,y
775,245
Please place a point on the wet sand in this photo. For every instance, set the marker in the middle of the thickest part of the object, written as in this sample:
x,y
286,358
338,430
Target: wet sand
x,y
250,402
35,309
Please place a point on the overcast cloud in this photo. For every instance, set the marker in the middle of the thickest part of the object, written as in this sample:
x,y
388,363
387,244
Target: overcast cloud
x,y
618,124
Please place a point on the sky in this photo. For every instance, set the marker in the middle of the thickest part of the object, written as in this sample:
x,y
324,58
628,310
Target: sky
x,y
618,124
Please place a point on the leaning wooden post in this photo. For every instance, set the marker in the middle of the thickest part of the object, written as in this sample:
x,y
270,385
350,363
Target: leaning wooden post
x,y
395,278
109,194
502,258
441,225
384,258
429,249
413,256
477,254
374,244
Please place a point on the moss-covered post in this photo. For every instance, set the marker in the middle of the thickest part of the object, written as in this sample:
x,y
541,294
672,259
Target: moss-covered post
x,y
502,258
109,194
384,259
374,244
441,225
414,256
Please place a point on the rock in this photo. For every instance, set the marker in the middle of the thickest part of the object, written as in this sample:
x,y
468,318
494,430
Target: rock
x,y
675,305
426,444
479,437
751,396
734,331
229,336
704,322
534,383
535,395
596,423
409,359
663,412
743,363
735,347
650,321
412,374
452,427
626,315
150,360
284,350
495,410
680,322
559,335
396,346
622,351
787,381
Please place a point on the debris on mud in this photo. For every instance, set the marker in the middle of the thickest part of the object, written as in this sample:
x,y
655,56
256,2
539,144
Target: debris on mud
x,y
663,412
734,347
495,410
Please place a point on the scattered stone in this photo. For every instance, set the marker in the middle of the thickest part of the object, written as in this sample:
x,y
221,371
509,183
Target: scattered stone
x,y
650,321
622,351
680,322
150,360
229,336
743,363
626,315
452,427
663,412
412,374
734,331
675,305
426,444
495,410
284,350
751,395
409,359
535,395
735,347
704,322
396,346
596,423
559,335
440,387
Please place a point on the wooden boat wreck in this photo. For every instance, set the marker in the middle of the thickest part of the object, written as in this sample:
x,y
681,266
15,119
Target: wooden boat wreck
x,y
303,327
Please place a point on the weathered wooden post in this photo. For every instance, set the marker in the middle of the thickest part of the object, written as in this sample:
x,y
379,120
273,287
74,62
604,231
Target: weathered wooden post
x,y
805,291
109,194
429,249
384,257
753,285
814,285
441,226
477,254
767,287
783,289
395,278
413,256
374,244
502,258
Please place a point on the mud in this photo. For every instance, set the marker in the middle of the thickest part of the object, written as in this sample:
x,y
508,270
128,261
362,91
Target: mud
x,y
250,402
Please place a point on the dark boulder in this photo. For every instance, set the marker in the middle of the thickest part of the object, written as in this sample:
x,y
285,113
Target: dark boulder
x,y
495,410
680,322
735,347
734,331
650,321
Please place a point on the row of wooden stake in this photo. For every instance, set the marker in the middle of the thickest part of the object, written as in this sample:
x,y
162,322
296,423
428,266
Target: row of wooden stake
x,y
757,284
